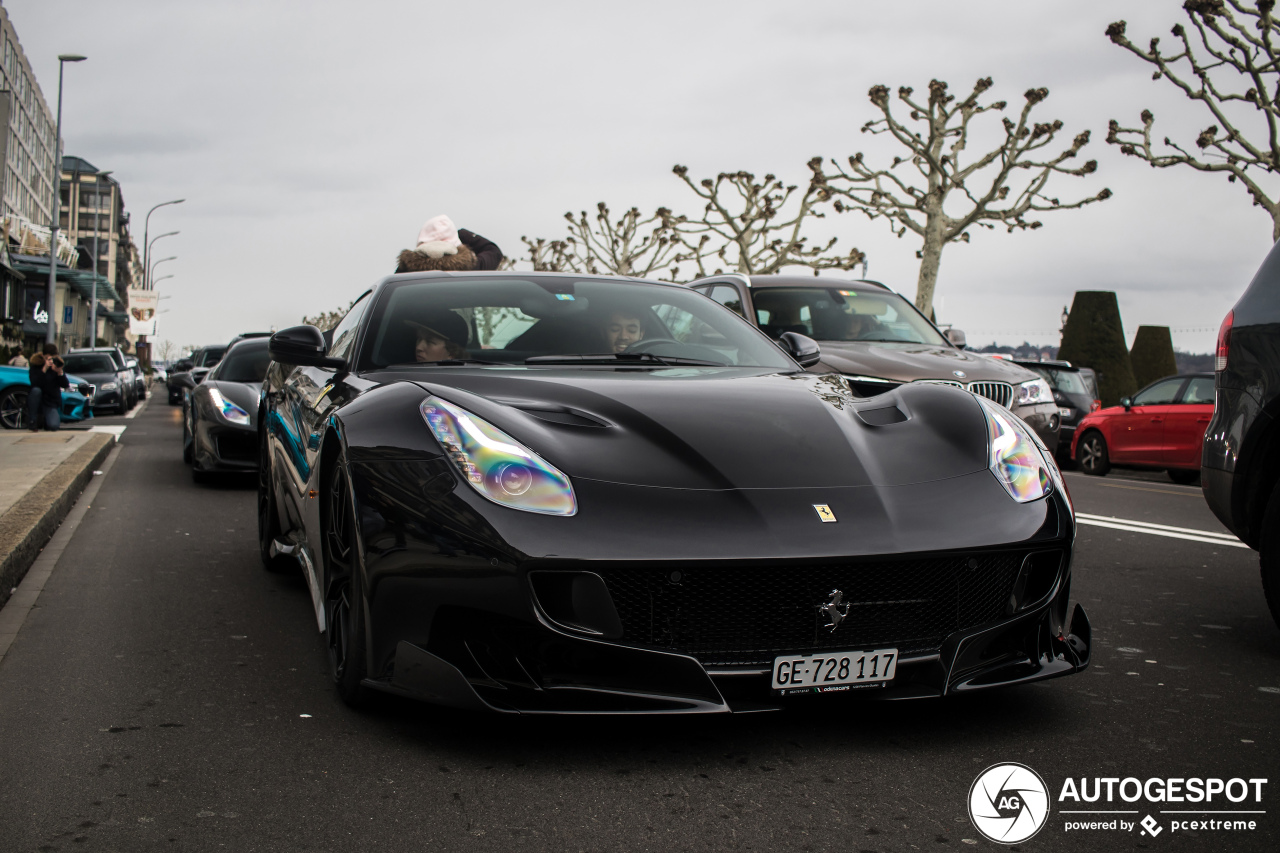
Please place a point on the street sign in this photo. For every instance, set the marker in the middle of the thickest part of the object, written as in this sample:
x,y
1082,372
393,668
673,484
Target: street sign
x,y
68,314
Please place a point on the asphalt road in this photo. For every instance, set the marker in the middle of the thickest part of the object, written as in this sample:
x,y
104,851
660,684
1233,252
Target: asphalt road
x,y
168,694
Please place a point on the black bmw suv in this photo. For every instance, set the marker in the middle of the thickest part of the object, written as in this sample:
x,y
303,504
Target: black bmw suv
x,y
1240,468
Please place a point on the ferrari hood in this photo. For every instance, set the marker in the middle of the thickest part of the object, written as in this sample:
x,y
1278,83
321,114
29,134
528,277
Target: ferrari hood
x,y
909,362
710,428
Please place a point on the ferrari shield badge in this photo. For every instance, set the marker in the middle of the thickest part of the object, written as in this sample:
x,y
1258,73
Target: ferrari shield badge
x,y
824,512
834,611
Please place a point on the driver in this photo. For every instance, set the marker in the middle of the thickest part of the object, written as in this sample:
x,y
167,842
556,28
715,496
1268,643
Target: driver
x,y
622,329
442,335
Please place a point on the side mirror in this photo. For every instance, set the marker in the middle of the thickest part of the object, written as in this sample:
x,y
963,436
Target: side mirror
x,y
1127,403
804,350
304,346
957,338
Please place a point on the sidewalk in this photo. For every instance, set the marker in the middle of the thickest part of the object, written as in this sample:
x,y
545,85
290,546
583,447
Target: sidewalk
x,y
41,475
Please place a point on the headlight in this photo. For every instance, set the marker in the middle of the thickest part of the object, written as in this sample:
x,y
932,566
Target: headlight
x,y
1015,456
229,410
1032,392
109,386
495,464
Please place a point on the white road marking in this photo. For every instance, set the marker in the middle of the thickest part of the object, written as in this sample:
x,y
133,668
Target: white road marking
x,y
117,431
138,408
1187,533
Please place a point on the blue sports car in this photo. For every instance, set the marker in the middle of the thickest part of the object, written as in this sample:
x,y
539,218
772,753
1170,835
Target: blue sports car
x,y
14,383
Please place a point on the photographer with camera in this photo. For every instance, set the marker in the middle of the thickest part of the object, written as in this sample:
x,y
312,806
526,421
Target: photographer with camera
x,y
44,400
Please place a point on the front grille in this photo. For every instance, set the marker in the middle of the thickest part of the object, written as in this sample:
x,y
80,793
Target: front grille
x,y
747,616
238,446
998,392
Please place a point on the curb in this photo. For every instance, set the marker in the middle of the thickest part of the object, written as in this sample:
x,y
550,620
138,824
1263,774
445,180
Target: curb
x,y
29,524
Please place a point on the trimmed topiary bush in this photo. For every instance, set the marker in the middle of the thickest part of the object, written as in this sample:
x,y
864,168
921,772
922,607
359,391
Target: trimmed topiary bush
x,y
1152,355
1094,337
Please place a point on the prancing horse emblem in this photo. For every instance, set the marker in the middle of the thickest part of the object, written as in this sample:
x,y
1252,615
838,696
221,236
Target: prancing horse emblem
x,y
834,611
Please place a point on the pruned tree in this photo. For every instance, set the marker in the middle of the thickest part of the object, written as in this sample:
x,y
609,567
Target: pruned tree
x,y
165,350
546,256
1007,185
754,227
328,319
1230,63
634,244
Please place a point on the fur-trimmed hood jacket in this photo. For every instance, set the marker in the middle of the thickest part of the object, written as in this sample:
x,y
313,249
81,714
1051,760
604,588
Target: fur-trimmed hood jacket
x,y
482,254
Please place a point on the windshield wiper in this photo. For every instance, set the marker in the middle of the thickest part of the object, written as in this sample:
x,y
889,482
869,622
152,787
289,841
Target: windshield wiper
x,y
445,362
622,358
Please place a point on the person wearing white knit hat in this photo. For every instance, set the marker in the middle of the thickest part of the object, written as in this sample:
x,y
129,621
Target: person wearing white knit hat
x,y
442,246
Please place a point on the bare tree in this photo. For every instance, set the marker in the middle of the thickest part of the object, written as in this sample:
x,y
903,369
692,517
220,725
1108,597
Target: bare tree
x,y
328,319
748,227
631,245
912,193
1236,46
165,350
545,256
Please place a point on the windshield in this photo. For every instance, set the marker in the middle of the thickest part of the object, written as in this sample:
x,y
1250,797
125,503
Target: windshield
x,y
1066,381
210,356
245,363
512,320
89,363
835,314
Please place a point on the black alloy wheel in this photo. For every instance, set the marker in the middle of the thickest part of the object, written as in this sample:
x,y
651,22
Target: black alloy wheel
x,y
13,408
344,624
1269,553
1092,454
268,520
1182,476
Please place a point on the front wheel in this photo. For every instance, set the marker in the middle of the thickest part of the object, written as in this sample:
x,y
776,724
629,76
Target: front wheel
x,y
13,408
1269,553
268,519
344,624
1091,454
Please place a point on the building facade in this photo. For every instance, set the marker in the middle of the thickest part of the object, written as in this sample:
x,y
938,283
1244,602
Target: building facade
x,y
93,218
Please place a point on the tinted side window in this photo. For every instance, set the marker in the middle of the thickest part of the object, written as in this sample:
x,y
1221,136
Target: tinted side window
x,y
1199,391
1162,393
728,297
344,334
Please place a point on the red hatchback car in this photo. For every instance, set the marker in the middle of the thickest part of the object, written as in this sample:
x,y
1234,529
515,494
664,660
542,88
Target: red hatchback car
x,y
1162,426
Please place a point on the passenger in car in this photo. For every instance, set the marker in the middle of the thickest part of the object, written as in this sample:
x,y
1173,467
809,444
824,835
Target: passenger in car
x,y
622,329
442,246
442,335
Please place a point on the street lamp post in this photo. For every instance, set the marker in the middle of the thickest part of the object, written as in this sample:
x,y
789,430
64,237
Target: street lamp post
x,y
160,279
97,224
152,272
146,226
56,208
155,240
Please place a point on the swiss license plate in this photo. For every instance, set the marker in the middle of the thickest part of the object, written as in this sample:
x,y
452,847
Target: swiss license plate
x,y
1066,413
833,672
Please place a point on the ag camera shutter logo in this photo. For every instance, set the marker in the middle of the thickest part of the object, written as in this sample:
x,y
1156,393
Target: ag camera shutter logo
x,y
1008,803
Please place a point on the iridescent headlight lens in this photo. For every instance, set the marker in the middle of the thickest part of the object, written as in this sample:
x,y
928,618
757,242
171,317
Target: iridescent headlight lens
x,y
495,464
229,410
1015,459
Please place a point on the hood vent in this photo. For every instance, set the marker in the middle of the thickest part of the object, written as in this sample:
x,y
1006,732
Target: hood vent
x,y
555,414
882,416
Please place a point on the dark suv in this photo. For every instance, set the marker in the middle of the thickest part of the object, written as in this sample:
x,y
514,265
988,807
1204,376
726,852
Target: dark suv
x,y
1240,468
1075,392
877,340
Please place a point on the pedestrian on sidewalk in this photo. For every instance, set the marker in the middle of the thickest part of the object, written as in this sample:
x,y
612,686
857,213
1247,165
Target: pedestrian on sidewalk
x,y
44,400
19,360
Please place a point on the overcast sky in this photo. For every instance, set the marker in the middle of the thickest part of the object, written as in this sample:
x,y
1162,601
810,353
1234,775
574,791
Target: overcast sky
x,y
312,139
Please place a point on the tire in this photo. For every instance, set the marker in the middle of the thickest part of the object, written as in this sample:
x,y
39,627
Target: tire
x,y
268,519
1183,477
344,624
1269,553
1091,454
188,440
13,408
